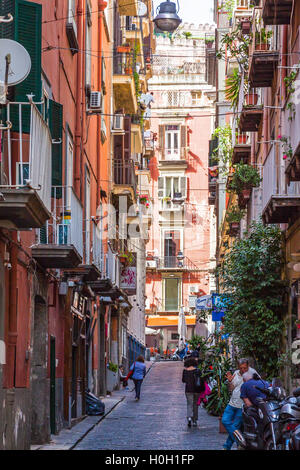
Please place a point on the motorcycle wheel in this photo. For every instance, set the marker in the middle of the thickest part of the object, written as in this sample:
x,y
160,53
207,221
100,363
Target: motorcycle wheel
x,y
270,445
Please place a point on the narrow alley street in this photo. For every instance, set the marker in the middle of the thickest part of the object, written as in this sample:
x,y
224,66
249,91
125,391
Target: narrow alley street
x,y
158,421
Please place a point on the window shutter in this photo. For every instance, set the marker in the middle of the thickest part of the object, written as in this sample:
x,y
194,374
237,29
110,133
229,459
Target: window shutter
x,y
27,30
183,186
183,138
161,133
127,138
56,129
160,187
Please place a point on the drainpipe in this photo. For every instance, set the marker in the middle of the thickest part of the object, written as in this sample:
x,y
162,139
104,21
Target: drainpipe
x,y
78,124
12,319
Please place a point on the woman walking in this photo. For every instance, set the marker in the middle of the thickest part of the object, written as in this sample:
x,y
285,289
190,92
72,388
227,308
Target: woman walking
x,y
139,372
188,377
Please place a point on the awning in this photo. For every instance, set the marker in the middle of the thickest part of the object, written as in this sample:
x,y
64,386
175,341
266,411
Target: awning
x,y
169,320
150,331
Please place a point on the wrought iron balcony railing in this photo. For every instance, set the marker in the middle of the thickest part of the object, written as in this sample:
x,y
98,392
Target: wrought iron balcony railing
x,y
176,263
124,173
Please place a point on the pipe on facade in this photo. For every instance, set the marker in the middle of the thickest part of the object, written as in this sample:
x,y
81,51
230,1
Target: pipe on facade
x,y
78,103
12,309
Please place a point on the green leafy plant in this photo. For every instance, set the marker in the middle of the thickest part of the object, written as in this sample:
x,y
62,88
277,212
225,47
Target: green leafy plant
x,y
251,276
232,88
286,146
195,340
289,82
262,36
113,367
244,177
237,44
187,34
223,152
235,215
215,368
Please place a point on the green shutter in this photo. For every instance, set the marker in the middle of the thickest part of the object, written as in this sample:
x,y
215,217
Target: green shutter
x,y
56,129
26,29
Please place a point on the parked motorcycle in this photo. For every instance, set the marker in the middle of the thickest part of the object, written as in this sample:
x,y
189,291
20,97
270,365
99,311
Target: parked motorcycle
x,y
261,423
178,355
290,421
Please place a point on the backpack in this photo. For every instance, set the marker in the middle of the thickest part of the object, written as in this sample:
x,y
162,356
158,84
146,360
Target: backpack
x,y
198,381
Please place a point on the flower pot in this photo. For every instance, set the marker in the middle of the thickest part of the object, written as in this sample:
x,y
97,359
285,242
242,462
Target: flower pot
x,y
123,259
246,193
222,429
261,46
128,70
246,26
251,99
241,139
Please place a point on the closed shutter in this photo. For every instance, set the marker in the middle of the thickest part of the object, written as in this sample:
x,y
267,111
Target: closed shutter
x,y
127,138
183,184
183,140
56,129
160,187
161,134
27,30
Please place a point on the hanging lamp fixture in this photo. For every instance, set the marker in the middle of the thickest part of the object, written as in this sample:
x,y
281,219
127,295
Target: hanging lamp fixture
x,y
167,18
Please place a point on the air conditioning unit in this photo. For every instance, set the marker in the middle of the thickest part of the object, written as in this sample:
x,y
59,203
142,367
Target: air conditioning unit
x,y
96,101
151,264
118,123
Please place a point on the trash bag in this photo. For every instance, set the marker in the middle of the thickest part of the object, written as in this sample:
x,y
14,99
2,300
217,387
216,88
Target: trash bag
x,y
94,406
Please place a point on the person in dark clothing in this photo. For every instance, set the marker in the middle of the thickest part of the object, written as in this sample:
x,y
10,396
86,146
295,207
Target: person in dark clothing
x,y
190,366
139,372
249,392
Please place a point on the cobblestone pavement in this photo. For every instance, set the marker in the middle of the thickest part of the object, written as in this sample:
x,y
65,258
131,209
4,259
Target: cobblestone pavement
x,y
157,421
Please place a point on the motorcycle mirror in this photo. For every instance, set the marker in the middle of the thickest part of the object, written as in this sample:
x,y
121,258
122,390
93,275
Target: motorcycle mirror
x,y
296,392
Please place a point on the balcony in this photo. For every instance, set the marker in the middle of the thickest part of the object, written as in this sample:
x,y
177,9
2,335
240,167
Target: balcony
x,y
123,83
251,112
176,263
133,36
128,8
149,143
124,178
136,138
25,170
242,14
61,239
293,168
280,204
241,148
171,157
276,12
263,56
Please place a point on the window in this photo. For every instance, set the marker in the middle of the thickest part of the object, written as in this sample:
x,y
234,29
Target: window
x,y
174,336
88,46
171,187
72,15
196,98
172,139
172,294
171,247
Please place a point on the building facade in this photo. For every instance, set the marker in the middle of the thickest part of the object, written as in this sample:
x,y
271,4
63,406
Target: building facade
x,y
179,258
70,134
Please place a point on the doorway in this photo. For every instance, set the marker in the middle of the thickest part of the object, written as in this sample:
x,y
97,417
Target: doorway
x,y
52,385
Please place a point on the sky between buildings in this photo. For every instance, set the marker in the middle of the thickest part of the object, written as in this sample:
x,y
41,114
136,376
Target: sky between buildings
x,y
194,11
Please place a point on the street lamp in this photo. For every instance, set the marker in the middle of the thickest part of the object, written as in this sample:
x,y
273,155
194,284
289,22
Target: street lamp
x,y
167,18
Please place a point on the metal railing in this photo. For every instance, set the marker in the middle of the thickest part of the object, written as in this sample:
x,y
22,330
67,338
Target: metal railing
x,y
173,262
27,144
123,63
124,173
112,271
273,177
65,226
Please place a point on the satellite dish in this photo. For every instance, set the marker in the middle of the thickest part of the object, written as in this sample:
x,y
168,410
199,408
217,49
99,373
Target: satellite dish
x,y
142,9
20,62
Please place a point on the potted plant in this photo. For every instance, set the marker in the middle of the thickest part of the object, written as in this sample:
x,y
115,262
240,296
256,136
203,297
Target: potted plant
x,y
244,177
261,39
234,218
298,324
251,98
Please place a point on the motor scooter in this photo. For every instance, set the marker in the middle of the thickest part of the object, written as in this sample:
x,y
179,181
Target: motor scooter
x,y
261,423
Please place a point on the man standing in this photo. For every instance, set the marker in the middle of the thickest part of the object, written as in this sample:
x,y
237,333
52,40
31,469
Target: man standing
x,y
232,417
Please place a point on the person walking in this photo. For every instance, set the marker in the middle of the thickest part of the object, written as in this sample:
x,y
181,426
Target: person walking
x,y
232,417
138,369
188,377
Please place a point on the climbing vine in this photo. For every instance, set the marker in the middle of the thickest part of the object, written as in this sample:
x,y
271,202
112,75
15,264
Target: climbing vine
x,y
251,276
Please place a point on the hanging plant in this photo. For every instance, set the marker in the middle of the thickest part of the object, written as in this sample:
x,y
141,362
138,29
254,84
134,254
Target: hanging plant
x,y
244,177
286,147
235,215
223,152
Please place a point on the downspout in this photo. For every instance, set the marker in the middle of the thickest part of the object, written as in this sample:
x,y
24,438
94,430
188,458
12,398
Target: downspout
x,y
12,319
78,126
